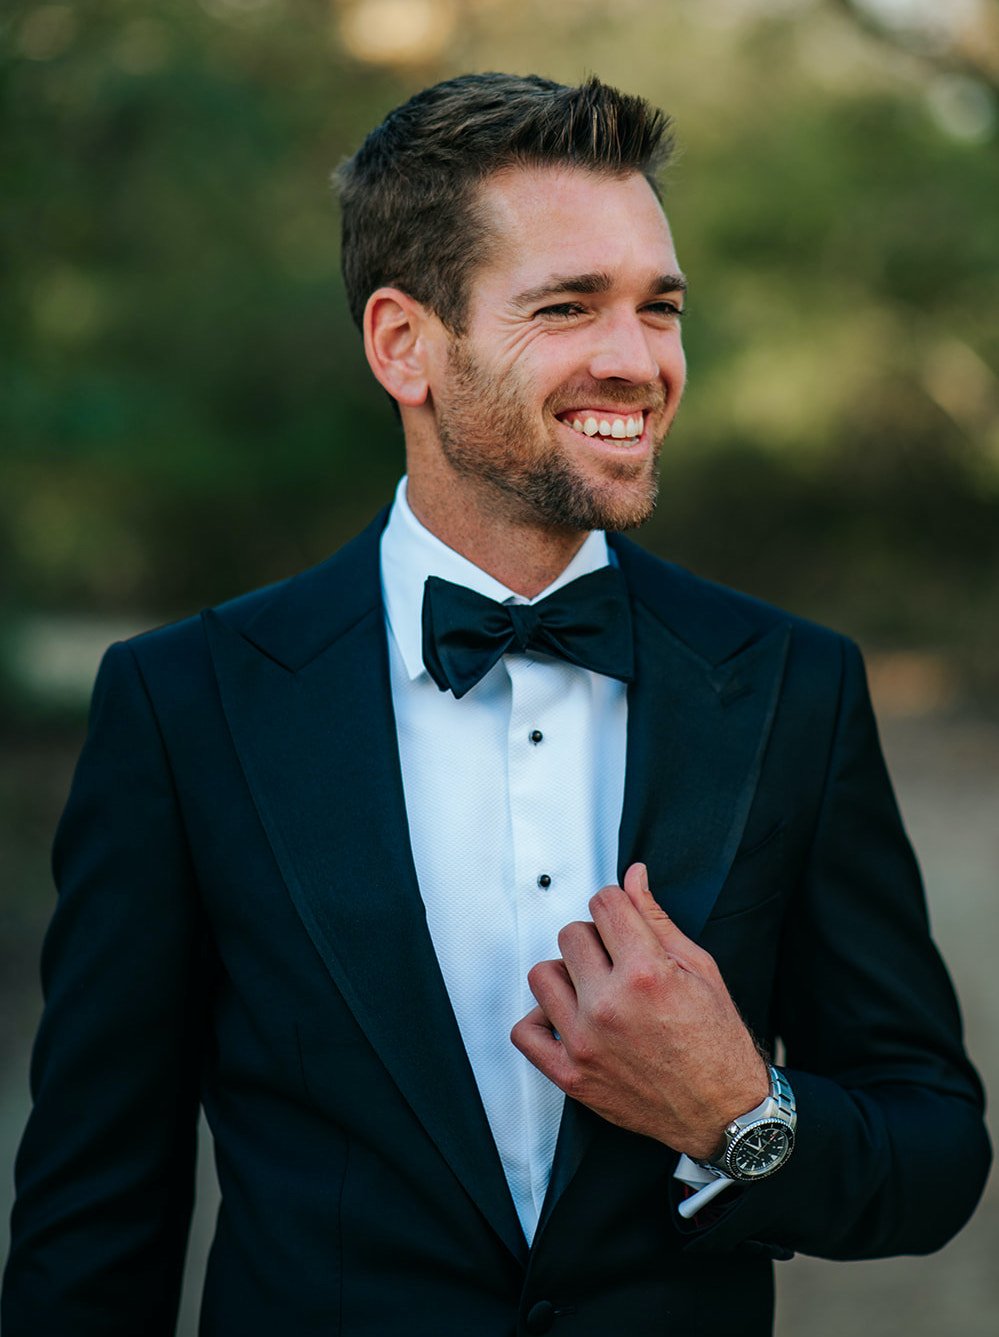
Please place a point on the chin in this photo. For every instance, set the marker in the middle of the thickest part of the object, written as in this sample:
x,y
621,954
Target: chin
x,y
571,502
626,516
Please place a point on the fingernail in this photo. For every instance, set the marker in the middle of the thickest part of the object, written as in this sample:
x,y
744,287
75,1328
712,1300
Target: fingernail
x,y
644,877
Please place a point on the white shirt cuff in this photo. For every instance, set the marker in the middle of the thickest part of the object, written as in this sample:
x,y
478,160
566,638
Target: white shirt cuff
x,y
706,1182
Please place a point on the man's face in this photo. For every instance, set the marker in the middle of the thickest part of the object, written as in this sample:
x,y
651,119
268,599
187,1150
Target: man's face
x,y
558,396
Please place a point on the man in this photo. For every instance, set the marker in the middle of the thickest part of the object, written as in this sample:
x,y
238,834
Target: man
x,y
380,862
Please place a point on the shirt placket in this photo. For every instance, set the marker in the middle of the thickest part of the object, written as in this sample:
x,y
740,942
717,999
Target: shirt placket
x,y
539,795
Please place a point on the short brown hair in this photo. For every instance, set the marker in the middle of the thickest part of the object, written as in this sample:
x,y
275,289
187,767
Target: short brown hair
x,y
408,195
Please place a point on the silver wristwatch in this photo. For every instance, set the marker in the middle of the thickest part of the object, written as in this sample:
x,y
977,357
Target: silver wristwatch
x,y
758,1143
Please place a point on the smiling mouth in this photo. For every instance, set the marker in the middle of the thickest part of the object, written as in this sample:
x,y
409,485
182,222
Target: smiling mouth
x,y
607,426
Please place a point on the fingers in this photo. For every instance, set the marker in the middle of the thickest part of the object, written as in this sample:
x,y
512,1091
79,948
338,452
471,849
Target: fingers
x,y
533,1036
583,952
636,884
552,986
628,921
636,887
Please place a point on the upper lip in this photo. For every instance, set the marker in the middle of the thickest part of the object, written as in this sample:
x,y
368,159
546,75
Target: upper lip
x,y
619,411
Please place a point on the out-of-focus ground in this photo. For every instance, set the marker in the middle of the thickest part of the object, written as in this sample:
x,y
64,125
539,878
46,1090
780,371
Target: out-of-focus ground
x,y
946,767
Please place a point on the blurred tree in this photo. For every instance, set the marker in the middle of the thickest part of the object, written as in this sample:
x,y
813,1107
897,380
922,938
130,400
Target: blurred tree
x,y
185,408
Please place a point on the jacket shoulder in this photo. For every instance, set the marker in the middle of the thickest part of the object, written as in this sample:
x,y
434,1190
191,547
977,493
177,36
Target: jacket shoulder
x,y
290,620
713,620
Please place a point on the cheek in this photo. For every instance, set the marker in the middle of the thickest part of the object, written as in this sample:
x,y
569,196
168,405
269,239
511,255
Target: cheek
x,y
526,353
525,346
673,364
501,342
552,363
680,376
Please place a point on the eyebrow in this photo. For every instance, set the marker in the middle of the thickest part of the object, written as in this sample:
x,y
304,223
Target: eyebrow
x,y
587,284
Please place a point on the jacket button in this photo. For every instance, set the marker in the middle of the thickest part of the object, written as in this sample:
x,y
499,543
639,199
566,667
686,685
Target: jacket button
x,y
540,1317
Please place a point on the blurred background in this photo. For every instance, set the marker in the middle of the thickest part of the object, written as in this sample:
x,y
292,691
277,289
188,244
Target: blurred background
x,y
185,411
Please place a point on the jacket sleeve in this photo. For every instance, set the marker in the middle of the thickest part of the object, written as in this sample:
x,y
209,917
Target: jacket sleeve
x,y
891,1151
104,1176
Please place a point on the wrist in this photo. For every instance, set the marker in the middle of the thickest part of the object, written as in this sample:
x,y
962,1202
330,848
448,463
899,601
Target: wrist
x,y
711,1139
756,1144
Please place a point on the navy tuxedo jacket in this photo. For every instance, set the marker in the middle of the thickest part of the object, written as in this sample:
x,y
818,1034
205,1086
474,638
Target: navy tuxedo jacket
x,y
239,923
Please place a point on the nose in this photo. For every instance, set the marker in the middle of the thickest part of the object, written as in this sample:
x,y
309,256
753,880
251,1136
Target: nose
x,y
623,352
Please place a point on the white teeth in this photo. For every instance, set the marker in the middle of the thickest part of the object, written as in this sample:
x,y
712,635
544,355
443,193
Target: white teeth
x,y
619,429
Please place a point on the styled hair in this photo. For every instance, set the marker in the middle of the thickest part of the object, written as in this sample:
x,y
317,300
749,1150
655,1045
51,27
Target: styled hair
x,y
411,215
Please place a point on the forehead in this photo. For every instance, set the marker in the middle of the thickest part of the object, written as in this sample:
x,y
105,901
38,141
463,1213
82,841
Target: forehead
x,y
570,220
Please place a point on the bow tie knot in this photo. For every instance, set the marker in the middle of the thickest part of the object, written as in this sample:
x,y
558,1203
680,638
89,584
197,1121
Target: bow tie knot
x,y
587,622
525,621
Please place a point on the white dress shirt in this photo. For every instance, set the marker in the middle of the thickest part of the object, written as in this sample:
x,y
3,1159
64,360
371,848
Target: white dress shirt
x,y
513,797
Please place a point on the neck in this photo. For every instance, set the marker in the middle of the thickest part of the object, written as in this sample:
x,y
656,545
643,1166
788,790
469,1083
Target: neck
x,y
483,525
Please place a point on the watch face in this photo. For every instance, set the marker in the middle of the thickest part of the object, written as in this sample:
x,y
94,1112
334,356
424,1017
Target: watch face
x,y
760,1150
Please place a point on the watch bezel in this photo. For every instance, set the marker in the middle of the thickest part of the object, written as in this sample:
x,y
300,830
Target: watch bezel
x,y
768,1121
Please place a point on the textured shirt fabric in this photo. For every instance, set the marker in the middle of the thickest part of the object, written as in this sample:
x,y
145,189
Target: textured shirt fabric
x,y
513,798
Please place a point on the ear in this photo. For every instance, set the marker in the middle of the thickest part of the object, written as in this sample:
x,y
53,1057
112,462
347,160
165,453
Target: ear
x,y
395,329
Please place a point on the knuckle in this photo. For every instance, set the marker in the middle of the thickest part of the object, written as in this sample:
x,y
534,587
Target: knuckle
x,y
580,1049
643,978
604,1014
603,899
570,933
574,1084
537,975
704,965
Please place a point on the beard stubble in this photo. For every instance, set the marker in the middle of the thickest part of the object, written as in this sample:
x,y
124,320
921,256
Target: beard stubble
x,y
488,435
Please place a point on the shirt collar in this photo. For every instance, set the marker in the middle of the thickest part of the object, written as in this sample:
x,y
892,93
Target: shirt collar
x,y
410,553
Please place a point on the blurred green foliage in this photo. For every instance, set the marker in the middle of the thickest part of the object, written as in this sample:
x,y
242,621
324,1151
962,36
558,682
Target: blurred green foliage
x,y
185,407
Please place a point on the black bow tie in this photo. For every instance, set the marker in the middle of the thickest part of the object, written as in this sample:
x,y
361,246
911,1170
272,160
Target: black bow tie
x,y
587,622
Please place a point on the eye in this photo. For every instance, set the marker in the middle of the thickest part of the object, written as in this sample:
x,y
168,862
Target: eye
x,y
560,311
665,308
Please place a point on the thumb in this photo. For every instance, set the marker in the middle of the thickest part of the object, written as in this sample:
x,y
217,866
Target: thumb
x,y
636,886
670,937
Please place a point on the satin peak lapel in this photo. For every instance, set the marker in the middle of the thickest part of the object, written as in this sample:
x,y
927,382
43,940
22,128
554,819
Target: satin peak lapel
x,y
699,719
305,687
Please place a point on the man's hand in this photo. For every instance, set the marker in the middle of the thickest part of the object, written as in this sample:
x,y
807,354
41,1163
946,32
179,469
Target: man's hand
x,y
635,1021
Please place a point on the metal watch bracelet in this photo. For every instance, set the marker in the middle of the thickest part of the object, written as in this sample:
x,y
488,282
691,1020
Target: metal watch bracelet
x,y
759,1142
